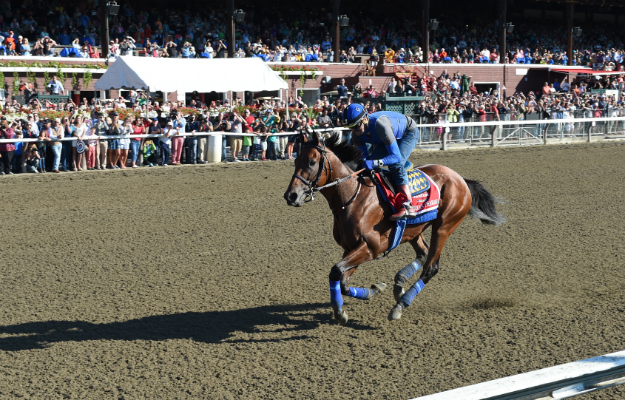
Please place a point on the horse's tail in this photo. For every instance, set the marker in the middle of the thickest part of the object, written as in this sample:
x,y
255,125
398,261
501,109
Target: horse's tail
x,y
483,204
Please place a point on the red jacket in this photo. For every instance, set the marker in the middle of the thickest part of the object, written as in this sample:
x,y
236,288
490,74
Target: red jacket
x,y
9,133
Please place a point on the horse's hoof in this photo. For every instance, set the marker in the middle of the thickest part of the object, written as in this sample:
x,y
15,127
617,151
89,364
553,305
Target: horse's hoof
x,y
398,291
378,287
341,317
396,311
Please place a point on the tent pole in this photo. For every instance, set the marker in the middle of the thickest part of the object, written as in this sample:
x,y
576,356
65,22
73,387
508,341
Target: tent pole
x,y
146,103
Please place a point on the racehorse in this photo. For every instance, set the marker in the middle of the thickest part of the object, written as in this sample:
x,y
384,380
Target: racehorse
x,y
361,216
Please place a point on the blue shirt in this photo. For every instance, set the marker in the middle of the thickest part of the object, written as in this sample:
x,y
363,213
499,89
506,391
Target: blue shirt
x,y
64,39
180,123
384,128
378,132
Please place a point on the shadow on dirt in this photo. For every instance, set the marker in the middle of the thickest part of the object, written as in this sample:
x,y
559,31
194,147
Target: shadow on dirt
x,y
260,324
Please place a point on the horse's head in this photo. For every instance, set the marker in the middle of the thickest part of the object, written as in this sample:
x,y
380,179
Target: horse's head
x,y
311,170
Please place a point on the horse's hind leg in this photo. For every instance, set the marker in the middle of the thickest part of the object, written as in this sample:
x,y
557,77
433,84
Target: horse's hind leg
x,y
441,230
421,248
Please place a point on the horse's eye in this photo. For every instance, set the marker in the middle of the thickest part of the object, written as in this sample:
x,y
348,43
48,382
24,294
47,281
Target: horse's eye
x,y
312,163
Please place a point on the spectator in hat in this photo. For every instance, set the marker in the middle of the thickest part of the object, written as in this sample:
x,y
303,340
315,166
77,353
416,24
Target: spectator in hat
x,y
9,43
31,158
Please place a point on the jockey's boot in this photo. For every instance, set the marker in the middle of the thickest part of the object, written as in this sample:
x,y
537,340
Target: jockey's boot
x,y
407,210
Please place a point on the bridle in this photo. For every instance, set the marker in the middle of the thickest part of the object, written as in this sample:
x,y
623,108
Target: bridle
x,y
312,185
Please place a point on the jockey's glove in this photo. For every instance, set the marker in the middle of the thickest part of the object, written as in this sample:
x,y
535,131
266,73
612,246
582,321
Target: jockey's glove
x,y
371,164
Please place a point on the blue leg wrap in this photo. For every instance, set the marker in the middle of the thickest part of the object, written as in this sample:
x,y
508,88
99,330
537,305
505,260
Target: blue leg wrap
x,y
412,292
407,271
360,293
336,298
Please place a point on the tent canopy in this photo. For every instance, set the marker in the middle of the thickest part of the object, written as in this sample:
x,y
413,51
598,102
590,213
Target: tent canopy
x,y
189,75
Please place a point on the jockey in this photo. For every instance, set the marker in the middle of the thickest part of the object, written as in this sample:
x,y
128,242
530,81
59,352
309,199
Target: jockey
x,y
393,136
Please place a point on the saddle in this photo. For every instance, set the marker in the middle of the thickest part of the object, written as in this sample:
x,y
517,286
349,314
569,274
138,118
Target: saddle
x,y
425,192
417,180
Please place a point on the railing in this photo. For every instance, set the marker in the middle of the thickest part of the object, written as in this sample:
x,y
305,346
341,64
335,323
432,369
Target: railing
x,y
52,98
519,132
402,104
559,382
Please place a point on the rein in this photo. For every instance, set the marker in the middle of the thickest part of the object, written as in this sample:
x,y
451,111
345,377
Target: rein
x,y
312,186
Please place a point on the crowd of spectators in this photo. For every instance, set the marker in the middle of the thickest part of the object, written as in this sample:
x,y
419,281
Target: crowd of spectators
x,y
103,133
447,101
257,131
297,36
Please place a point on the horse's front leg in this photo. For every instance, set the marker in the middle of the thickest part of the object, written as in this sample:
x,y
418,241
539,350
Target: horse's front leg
x,y
338,280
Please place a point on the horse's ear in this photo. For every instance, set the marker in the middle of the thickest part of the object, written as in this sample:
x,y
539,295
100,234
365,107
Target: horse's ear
x,y
302,137
315,137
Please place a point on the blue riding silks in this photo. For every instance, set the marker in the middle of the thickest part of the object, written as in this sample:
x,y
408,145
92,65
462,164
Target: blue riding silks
x,y
412,292
360,293
336,299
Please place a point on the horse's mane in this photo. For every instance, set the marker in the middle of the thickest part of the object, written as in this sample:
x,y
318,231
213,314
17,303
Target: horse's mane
x,y
349,154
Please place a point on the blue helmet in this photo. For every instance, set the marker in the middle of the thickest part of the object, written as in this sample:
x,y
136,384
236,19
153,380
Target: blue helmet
x,y
353,114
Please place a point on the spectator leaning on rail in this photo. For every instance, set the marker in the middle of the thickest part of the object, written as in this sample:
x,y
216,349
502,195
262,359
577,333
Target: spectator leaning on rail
x,y
393,136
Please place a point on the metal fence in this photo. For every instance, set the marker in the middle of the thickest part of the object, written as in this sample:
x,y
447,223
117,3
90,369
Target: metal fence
x,y
519,129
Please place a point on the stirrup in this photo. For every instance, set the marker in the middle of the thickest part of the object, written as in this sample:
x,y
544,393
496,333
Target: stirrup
x,y
406,212
410,211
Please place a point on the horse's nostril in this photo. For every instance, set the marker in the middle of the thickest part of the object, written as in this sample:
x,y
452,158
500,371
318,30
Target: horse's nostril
x,y
292,197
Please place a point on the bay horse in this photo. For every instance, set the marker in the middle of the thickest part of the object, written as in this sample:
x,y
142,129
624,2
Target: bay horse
x,y
361,216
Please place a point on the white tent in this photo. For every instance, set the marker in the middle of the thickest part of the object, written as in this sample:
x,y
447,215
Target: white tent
x,y
189,75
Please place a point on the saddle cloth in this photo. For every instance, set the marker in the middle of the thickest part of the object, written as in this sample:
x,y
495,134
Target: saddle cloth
x,y
425,194
425,198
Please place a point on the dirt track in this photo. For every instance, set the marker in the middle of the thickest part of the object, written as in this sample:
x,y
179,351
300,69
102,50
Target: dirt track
x,y
200,282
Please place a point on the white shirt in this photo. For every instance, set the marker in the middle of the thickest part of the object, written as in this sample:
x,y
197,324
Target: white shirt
x,y
76,132
166,140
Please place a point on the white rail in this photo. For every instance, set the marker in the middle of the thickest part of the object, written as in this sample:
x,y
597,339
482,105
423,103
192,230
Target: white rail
x,y
559,382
